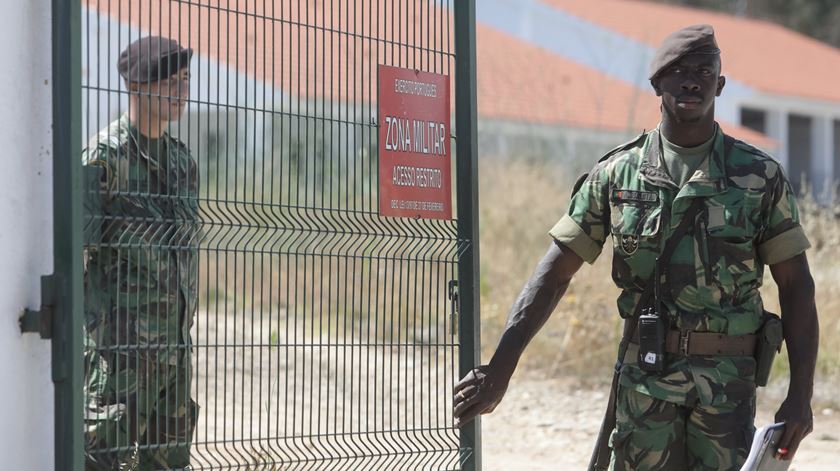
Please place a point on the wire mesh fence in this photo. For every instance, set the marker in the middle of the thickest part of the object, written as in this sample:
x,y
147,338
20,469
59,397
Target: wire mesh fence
x,y
246,306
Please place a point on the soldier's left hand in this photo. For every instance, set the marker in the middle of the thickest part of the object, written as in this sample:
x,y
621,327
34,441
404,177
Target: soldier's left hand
x,y
799,422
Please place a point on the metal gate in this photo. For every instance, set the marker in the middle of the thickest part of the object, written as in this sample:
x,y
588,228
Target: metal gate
x,y
243,304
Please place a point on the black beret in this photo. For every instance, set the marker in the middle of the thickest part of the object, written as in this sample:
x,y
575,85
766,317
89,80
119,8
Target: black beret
x,y
696,39
153,58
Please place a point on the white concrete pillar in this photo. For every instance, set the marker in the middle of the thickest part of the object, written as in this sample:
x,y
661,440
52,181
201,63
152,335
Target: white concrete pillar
x,y
822,159
777,128
26,440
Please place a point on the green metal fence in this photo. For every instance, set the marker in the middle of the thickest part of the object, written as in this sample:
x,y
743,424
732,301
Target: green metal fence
x,y
246,306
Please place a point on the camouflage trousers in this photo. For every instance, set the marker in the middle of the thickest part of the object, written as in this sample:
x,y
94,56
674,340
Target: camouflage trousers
x,y
652,434
139,414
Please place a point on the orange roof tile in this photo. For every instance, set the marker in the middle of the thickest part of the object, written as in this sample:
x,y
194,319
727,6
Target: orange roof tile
x,y
520,81
760,54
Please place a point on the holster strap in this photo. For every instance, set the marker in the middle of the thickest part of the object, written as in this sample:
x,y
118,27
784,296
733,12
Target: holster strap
x,y
706,343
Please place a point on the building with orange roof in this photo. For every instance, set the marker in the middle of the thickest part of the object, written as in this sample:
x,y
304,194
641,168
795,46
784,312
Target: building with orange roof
x,y
780,83
563,79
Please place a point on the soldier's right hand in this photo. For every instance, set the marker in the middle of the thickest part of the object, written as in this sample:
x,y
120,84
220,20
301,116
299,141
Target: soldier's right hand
x,y
479,392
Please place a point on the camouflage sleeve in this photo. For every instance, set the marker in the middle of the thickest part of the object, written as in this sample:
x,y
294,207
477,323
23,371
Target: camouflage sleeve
x,y
101,159
780,236
585,226
96,161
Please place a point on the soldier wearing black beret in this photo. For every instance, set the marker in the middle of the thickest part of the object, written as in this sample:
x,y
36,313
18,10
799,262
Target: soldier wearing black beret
x,y
697,39
156,72
153,58
694,216
142,271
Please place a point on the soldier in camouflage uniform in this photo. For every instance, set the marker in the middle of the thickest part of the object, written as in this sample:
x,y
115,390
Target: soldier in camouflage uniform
x,y
141,271
697,413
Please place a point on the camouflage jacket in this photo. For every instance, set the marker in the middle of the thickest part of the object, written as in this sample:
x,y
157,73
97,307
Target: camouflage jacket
x,y
141,273
749,218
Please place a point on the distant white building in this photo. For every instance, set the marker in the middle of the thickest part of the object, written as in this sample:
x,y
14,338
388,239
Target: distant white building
x,y
780,83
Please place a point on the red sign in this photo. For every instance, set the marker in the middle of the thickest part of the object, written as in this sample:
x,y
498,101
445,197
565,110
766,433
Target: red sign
x,y
414,144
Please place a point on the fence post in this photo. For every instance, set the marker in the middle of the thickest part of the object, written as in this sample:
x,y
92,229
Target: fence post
x,y
466,130
67,229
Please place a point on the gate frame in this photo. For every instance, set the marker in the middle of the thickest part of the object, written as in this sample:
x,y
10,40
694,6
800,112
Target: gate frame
x,y
466,175
67,309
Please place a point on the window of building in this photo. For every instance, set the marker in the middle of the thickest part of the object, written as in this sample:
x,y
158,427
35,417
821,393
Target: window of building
x,y
800,149
754,119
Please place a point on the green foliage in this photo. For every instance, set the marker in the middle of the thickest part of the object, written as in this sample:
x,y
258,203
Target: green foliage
x,y
815,18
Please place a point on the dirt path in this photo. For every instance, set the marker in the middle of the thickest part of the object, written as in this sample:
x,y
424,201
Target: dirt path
x,y
276,394
551,425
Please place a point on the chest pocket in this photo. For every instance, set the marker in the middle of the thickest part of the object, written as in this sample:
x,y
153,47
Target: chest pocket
x,y
634,221
729,232
730,221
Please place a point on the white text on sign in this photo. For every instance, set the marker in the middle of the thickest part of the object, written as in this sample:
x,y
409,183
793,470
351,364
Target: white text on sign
x,y
415,135
419,177
415,88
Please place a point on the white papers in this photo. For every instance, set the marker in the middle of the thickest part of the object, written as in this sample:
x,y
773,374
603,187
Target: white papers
x,y
764,444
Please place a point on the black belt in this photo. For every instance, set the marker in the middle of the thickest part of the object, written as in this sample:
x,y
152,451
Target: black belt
x,y
706,343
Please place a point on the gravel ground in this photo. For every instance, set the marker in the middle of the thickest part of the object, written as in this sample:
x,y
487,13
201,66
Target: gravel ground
x,y
551,424
278,395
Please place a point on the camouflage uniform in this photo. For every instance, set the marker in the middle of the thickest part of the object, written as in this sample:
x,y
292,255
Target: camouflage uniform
x,y
696,414
140,298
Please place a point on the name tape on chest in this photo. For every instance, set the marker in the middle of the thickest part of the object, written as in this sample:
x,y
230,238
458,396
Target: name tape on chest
x,y
626,196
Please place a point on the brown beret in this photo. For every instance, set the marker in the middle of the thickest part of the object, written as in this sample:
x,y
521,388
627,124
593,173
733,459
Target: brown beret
x,y
695,39
152,58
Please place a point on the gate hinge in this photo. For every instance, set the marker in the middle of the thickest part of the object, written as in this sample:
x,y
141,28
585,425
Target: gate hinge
x,y
40,321
453,298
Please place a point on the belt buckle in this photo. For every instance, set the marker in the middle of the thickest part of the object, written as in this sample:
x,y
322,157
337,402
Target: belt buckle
x,y
684,340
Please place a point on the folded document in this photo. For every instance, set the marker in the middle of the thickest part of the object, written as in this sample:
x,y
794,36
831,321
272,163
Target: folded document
x,y
764,445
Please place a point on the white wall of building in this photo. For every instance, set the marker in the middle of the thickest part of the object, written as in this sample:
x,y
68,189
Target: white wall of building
x,y
823,176
26,437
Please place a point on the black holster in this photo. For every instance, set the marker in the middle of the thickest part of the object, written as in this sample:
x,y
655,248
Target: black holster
x,y
768,344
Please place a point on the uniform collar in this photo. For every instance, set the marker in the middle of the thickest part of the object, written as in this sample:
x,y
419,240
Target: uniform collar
x,y
708,179
134,135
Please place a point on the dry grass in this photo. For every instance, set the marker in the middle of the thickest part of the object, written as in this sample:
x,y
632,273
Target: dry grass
x,y
521,201
822,225
519,204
